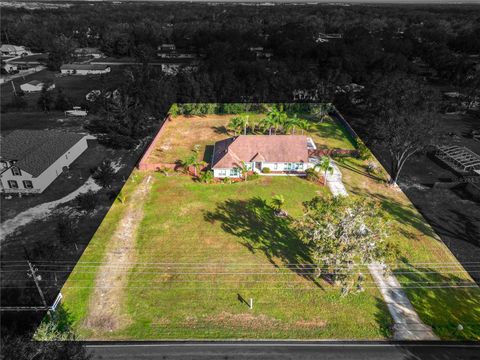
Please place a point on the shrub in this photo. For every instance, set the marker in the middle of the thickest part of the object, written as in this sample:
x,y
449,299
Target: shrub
x,y
104,174
311,175
266,170
206,176
254,176
372,167
362,150
86,201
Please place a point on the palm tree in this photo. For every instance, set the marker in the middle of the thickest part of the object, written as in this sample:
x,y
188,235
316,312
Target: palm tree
x,y
244,169
304,125
292,124
267,124
325,165
322,111
277,202
193,161
235,125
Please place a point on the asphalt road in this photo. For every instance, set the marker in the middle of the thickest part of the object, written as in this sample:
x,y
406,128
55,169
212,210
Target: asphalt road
x,y
286,350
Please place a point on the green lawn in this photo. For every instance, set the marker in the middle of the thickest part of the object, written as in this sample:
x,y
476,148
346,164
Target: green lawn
x,y
426,266
225,244
203,250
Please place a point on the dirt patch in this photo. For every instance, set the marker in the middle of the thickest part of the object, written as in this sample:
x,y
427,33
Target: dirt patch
x,y
311,324
242,320
180,134
105,308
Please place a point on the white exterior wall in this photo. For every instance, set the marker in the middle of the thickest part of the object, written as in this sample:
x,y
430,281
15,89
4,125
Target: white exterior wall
x,y
217,173
281,166
41,182
84,72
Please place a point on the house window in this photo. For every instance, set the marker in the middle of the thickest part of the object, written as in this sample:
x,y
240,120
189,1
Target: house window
x,y
222,172
12,184
16,171
299,166
287,166
275,166
27,184
234,172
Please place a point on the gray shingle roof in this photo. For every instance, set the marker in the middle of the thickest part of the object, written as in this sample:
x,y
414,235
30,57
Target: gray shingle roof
x,y
36,150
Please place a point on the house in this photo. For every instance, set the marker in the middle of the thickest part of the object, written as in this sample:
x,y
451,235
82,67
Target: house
x,y
169,51
35,85
9,68
88,52
84,69
14,50
30,160
281,154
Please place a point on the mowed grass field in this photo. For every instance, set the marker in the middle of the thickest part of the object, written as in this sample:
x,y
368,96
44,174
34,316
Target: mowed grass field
x,y
182,133
203,250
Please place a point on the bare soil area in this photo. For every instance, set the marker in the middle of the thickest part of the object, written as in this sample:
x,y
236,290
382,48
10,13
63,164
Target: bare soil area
x,y
105,309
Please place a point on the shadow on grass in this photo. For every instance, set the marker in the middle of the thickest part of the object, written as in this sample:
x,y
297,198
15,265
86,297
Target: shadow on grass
x,y
443,300
254,221
220,130
342,162
383,318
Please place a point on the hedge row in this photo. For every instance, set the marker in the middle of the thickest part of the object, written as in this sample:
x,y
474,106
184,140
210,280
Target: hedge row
x,y
234,108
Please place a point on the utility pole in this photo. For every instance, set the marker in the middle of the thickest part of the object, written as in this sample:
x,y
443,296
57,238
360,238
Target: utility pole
x,y
14,91
35,277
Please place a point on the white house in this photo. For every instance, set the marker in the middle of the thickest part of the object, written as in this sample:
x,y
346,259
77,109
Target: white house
x,y
14,50
281,154
9,68
94,53
35,85
84,69
30,160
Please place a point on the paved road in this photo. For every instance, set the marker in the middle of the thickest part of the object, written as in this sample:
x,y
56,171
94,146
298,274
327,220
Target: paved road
x,y
286,350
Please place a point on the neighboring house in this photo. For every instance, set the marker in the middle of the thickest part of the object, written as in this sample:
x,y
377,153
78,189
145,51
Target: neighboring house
x,y
169,51
35,85
281,154
14,50
30,160
84,69
9,68
88,52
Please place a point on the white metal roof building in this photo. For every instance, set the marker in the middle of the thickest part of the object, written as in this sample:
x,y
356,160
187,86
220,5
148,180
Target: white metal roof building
x,y
459,158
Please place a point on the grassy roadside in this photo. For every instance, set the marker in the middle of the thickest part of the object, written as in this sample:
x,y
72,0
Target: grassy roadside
x,y
76,294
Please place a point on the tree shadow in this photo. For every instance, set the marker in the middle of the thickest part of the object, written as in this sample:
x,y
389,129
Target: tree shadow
x,y
383,318
255,223
220,130
341,162
443,300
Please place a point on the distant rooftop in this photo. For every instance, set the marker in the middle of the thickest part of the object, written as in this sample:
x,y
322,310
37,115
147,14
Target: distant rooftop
x,y
36,150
